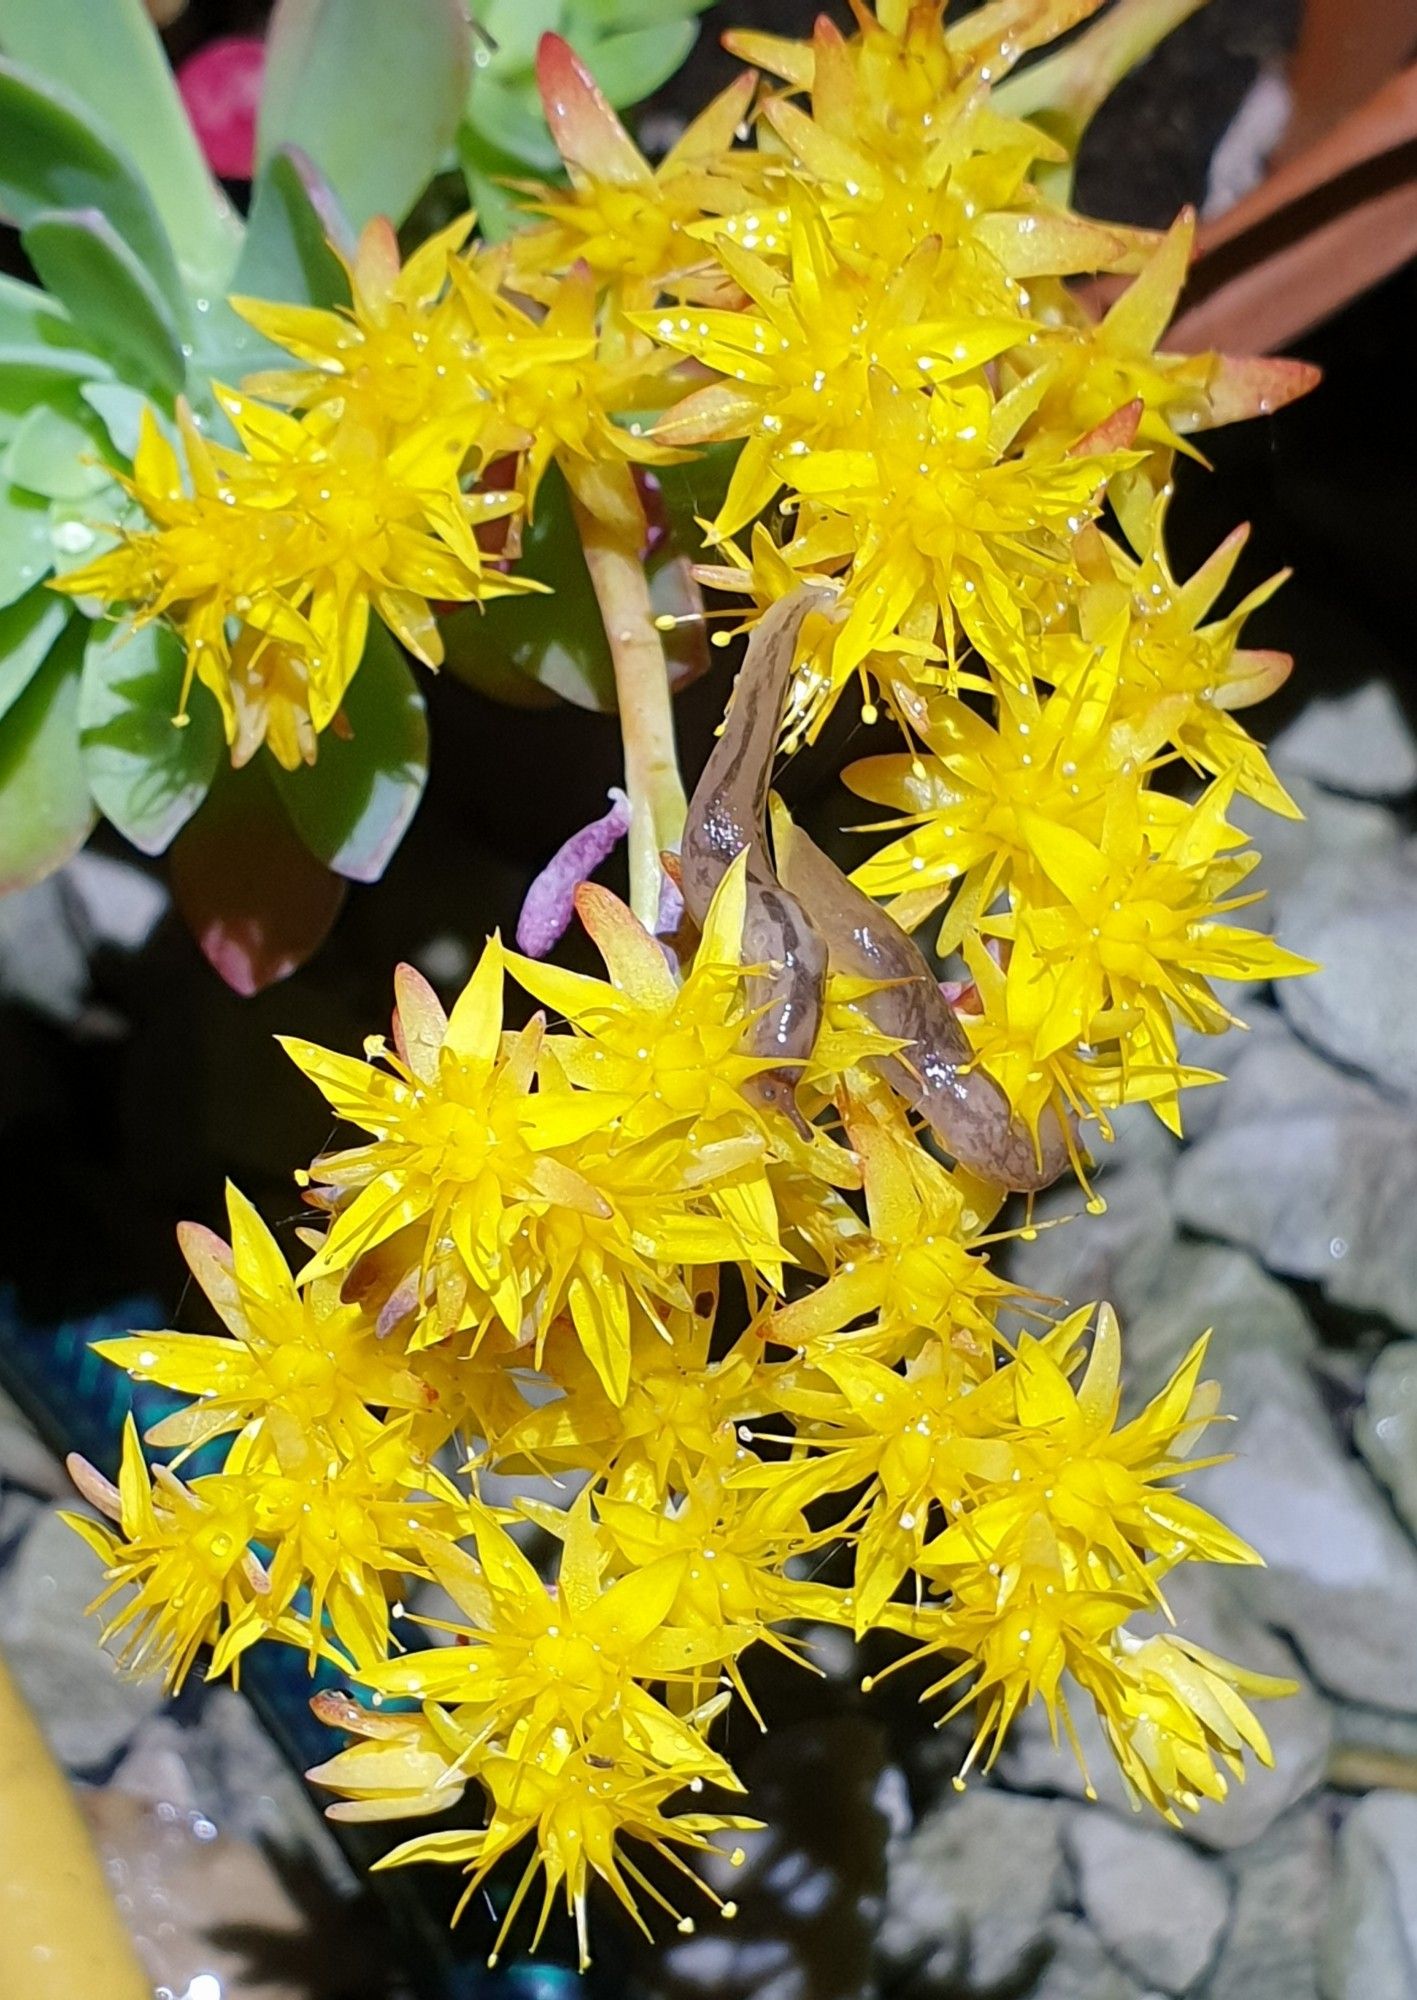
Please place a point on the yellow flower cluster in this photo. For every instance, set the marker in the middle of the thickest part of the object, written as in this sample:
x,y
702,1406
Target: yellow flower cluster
x,y
522,1264
521,1259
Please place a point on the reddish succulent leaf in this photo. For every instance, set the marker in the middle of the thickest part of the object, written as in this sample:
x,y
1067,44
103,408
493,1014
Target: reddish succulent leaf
x,y
588,135
253,897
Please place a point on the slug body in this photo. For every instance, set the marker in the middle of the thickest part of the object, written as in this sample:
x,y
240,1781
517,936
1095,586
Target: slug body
x,y
804,916
964,1108
726,815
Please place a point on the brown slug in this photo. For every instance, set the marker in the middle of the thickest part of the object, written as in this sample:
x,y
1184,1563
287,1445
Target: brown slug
x,y
726,815
804,915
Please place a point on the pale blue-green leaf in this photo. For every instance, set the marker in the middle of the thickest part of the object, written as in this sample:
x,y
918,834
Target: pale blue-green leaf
x,y
630,67
79,530
48,364
485,167
83,261
616,17
119,409
30,318
147,772
509,118
287,255
372,92
57,451
45,809
26,550
295,229
515,27
109,55
28,630
57,154
353,806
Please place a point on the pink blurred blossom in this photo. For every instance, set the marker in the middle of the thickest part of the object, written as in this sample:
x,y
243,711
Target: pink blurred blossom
x,y
221,88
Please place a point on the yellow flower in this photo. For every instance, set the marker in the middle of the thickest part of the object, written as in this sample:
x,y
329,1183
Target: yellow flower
x,y
556,384
918,1274
180,1564
297,536
972,794
798,360
1093,367
669,1045
570,1660
528,1203
400,355
1174,1713
578,1802
627,221
1100,1489
304,1354
936,512
200,558
1172,669
680,1414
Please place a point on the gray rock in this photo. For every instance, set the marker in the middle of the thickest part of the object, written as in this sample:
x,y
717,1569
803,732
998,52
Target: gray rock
x,y
43,964
1359,743
1341,1577
227,1768
1369,1947
1319,1194
1155,1903
1387,1425
87,1710
1347,828
1281,1897
1360,926
1078,1968
24,1461
970,1892
1208,1285
1116,1255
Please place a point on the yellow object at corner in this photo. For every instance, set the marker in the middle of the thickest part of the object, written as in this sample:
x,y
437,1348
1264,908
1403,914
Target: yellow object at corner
x,y
60,1936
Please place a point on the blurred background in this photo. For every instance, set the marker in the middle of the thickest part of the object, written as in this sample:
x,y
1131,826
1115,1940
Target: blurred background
x,y
132,1083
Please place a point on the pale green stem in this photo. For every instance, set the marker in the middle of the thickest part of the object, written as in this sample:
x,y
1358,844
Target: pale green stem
x,y
652,780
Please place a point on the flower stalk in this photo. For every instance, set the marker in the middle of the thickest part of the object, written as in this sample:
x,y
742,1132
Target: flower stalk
x,y
652,777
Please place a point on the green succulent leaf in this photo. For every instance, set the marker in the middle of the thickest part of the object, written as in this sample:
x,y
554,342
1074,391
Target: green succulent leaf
x,y
147,773
56,450
294,224
629,67
110,57
26,544
55,155
85,263
485,167
613,17
46,813
513,28
28,632
119,408
509,120
372,93
30,318
354,805
287,255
